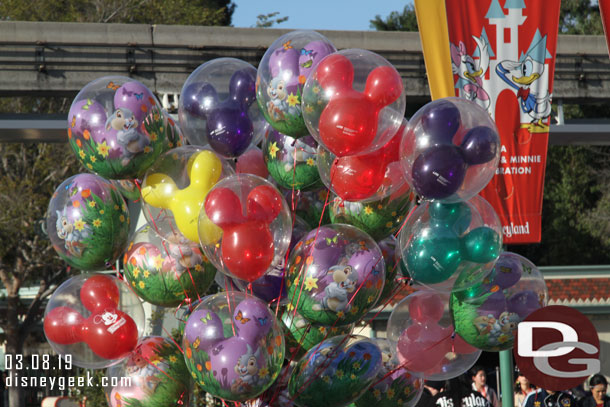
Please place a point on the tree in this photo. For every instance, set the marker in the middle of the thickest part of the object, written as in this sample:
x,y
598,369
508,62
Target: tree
x,y
397,21
268,20
29,174
186,12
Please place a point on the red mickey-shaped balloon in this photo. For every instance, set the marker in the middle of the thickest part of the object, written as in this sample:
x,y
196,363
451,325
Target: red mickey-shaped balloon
x,y
247,247
358,177
348,123
109,332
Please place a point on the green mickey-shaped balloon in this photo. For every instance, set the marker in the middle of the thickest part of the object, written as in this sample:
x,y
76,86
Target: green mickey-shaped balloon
x,y
433,255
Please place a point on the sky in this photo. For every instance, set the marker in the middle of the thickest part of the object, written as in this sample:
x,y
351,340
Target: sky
x,y
317,14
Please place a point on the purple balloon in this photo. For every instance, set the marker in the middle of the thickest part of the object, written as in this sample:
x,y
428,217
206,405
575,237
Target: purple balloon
x,y
86,114
228,125
365,263
205,325
480,145
524,303
439,171
507,271
325,255
135,97
441,120
298,62
224,358
253,320
494,305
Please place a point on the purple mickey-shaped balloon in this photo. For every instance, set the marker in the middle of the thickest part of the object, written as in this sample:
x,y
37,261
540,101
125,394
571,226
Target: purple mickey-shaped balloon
x,y
524,303
205,326
440,121
439,171
229,127
86,114
480,145
193,98
252,320
136,98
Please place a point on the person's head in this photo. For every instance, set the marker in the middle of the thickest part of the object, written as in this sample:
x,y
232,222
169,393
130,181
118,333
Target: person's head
x,y
477,374
599,385
522,382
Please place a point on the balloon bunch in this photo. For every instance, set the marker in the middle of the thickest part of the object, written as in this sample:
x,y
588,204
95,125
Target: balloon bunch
x,y
296,187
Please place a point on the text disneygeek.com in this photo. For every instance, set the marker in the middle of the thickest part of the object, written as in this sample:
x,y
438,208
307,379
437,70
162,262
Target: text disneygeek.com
x,y
62,383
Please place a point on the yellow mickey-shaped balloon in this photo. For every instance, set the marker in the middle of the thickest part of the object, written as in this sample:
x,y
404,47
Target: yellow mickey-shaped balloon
x,y
159,190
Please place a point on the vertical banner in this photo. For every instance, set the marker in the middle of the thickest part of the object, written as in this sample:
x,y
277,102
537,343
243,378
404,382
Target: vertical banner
x,y
503,58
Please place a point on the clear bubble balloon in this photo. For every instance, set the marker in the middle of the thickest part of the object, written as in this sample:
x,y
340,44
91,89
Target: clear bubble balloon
x,y
335,275
94,318
395,385
291,161
157,376
336,372
421,330
117,127
233,346
217,106
282,72
88,222
451,150
440,241
353,102
175,188
365,177
166,272
486,315
245,227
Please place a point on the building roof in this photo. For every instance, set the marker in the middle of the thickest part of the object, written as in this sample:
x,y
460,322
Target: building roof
x,y
579,291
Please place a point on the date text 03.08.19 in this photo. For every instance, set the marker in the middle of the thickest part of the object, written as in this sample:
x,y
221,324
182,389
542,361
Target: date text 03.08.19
x,y
37,362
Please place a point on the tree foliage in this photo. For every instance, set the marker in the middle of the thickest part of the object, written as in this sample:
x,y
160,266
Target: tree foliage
x,y
184,12
268,20
397,21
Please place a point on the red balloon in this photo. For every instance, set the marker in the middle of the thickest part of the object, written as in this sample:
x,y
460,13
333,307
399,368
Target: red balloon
x,y
358,177
264,203
99,291
62,325
223,208
247,247
427,306
348,123
252,162
110,333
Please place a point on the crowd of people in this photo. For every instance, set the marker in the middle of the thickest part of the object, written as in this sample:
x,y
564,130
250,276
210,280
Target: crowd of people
x,y
471,390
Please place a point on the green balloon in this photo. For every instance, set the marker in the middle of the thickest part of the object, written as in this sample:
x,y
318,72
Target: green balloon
x,y
452,215
481,245
433,255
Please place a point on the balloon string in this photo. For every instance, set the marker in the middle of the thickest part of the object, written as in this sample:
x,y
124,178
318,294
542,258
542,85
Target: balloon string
x,y
229,305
